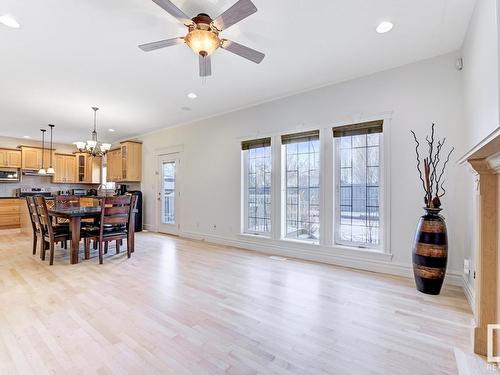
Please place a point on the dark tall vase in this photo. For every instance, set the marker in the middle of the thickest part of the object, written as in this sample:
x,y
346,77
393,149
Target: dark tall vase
x,y
430,252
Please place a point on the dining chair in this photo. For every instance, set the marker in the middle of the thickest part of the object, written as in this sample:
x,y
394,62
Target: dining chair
x,y
113,224
35,223
50,233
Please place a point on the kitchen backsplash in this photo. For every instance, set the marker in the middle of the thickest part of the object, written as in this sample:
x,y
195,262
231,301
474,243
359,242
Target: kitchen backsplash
x,y
8,189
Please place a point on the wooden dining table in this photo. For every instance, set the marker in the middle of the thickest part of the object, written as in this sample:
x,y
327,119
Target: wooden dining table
x,y
75,216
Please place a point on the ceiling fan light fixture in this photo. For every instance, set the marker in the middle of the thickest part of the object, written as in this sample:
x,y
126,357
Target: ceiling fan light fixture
x,y
202,42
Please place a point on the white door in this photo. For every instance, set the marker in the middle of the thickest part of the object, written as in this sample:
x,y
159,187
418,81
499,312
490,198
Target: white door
x,y
169,195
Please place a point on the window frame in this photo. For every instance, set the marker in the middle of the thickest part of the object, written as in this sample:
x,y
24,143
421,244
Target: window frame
x,y
384,199
327,245
284,187
244,195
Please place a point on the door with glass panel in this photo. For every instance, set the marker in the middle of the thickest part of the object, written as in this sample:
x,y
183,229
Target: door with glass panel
x,y
169,195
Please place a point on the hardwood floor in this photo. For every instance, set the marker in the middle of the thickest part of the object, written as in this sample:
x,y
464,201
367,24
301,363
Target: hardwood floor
x,y
187,307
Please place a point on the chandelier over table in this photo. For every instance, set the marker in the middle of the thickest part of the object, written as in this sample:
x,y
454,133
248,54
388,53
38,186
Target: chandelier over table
x,y
93,147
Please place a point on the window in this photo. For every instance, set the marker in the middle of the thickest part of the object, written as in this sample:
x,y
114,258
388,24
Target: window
x,y
257,185
301,175
108,185
168,173
358,155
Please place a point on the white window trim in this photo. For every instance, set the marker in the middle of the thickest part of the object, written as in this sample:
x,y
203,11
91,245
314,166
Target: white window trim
x,y
384,194
327,195
244,197
282,207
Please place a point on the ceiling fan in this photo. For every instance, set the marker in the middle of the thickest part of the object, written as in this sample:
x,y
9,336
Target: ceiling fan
x,y
203,33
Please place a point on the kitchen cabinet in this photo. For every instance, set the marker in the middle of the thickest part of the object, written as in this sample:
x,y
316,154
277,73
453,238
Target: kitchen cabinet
x,y
125,163
10,213
113,165
65,169
131,161
10,158
32,158
88,168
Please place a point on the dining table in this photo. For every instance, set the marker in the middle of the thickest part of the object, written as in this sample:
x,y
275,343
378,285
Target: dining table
x,y
75,215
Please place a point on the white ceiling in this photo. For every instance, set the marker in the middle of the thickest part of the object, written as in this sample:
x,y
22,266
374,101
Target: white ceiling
x,y
72,54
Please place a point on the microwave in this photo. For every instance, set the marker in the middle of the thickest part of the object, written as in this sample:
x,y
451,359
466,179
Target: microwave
x,y
10,175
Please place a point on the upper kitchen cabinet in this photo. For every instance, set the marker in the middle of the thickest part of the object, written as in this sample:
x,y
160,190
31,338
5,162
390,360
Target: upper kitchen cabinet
x,y
88,168
113,162
32,158
131,153
10,158
125,163
65,169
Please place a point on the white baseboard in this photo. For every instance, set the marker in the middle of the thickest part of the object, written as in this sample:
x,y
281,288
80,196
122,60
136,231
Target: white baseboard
x,y
362,260
149,227
469,293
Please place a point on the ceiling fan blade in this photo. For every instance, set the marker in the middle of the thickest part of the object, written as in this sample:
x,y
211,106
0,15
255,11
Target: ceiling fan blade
x,y
172,9
161,44
205,66
243,51
242,9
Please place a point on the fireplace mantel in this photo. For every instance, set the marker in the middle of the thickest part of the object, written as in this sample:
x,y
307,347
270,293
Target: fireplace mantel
x,y
484,160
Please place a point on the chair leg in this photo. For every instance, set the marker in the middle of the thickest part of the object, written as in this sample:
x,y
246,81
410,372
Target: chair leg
x,y
129,250
100,253
118,246
51,253
86,247
106,247
42,249
35,238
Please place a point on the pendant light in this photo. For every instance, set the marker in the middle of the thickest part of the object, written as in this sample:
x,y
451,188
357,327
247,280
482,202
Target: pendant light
x,y
51,170
42,170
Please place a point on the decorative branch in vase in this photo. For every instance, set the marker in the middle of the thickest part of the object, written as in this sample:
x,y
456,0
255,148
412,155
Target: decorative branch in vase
x,y
433,169
430,247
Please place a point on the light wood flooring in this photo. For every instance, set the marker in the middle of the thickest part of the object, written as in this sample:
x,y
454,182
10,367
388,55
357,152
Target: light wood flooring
x,y
187,307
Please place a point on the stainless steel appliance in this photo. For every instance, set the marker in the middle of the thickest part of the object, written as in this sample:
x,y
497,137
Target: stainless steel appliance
x,y
10,175
79,192
26,192
138,214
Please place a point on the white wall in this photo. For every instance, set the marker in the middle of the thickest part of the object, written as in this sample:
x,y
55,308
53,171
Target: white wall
x,y
481,75
417,94
480,53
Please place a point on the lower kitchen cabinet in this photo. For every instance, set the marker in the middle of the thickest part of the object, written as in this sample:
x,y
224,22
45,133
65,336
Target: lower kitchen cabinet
x,y
10,213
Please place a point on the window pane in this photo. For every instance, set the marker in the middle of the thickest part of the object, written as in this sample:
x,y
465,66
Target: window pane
x,y
358,169
302,193
168,173
258,177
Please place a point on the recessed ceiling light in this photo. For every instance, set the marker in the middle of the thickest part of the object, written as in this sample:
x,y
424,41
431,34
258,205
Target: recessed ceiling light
x,y
9,21
384,27
192,95
26,136
111,130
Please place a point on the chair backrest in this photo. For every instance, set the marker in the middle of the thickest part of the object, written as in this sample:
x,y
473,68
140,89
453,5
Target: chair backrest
x,y
115,211
35,222
43,216
67,201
